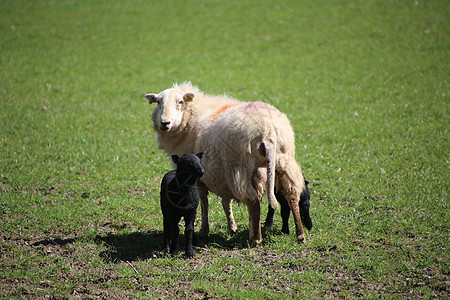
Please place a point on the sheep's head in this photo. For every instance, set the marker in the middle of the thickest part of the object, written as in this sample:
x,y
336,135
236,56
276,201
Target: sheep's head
x,y
168,113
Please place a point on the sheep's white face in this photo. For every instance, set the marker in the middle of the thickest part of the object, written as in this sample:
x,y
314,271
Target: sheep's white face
x,y
171,104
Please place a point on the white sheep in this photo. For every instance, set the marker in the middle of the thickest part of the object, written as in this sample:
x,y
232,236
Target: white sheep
x,y
248,150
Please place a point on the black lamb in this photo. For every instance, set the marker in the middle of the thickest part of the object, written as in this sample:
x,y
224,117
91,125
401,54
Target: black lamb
x,y
179,198
286,210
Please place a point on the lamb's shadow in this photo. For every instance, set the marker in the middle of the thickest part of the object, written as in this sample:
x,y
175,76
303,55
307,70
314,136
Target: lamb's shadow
x,y
141,245
144,245
119,246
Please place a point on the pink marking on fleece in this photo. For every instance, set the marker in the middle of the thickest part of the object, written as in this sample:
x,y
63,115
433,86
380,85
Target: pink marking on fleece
x,y
255,105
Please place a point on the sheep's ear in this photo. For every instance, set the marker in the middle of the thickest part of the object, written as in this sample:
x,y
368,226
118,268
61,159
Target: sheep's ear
x,y
200,155
176,159
188,97
151,98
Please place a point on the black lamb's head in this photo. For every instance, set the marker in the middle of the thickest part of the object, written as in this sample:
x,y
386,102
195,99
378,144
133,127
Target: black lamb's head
x,y
189,164
304,207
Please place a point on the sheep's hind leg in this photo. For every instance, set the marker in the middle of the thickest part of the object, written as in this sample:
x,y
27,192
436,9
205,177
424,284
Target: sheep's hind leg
x,y
203,194
293,197
254,215
227,207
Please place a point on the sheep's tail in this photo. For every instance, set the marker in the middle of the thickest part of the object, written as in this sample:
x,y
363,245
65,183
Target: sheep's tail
x,y
271,164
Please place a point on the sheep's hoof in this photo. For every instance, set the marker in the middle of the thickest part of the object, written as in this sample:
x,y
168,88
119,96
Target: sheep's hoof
x,y
301,238
255,243
232,229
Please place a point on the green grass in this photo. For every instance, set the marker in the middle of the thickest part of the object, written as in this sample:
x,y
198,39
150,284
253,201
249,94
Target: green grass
x,y
365,84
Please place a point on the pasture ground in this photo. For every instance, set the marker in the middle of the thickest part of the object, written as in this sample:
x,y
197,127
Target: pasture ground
x,y
364,83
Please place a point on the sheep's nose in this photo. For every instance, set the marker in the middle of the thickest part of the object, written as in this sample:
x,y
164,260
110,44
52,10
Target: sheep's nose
x,y
165,125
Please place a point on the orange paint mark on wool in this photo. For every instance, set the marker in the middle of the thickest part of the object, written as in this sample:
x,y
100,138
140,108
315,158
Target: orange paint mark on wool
x,y
221,110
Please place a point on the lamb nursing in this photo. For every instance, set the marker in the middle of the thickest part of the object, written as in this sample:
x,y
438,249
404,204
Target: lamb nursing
x,y
248,150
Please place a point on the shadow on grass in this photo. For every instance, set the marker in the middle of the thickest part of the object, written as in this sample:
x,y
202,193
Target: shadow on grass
x,y
130,246
145,245
142,245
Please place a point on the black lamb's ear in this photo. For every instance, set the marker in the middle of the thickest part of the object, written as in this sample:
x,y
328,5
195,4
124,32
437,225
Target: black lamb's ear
x,y
306,182
176,159
200,155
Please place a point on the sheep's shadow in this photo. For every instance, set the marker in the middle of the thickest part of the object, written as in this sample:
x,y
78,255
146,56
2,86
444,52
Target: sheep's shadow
x,y
142,245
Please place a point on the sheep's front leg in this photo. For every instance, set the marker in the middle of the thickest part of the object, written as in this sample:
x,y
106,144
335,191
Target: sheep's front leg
x,y
227,207
254,215
203,194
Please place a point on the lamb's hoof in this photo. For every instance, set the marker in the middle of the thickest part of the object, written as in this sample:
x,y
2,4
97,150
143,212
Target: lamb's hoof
x,y
203,232
268,224
285,231
301,238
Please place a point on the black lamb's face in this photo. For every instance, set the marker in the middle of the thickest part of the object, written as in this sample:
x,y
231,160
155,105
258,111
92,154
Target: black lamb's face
x,y
304,206
189,163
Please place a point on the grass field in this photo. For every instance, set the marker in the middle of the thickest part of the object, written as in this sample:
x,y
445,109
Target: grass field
x,y
364,83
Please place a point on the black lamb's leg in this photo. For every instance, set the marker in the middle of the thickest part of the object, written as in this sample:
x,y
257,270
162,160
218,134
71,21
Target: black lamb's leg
x,y
174,232
269,219
304,207
189,233
285,212
166,245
